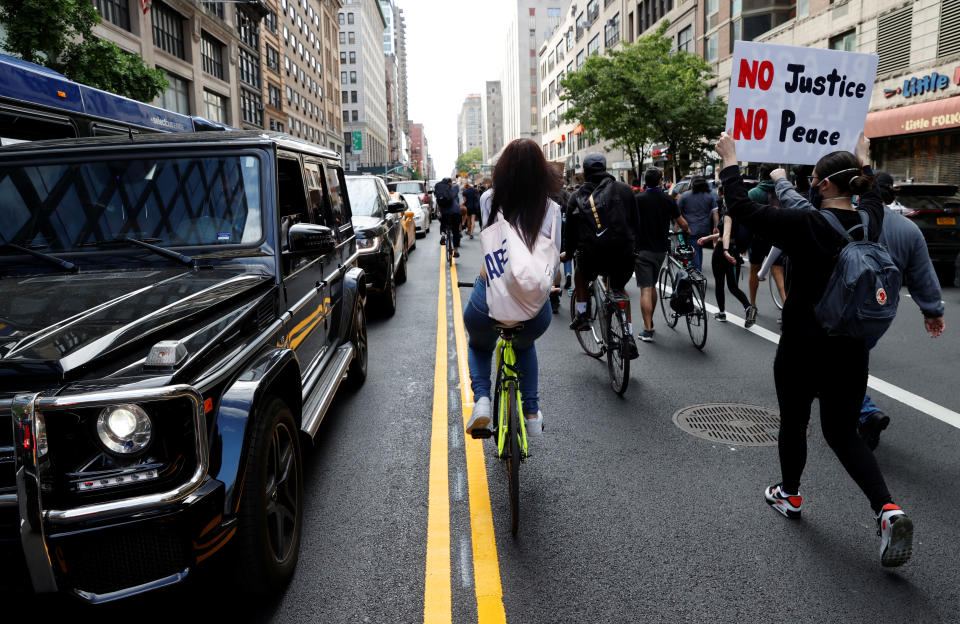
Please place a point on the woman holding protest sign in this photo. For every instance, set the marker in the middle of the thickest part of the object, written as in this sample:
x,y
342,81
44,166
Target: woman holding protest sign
x,y
810,362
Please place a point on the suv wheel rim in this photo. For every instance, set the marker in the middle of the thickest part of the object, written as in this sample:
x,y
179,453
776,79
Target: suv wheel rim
x,y
282,493
361,338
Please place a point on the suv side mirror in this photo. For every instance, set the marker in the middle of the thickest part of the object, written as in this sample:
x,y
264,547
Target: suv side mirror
x,y
396,206
307,238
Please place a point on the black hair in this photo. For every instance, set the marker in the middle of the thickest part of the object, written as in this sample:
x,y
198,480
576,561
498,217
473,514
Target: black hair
x,y
652,177
800,174
849,178
522,183
765,170
699,185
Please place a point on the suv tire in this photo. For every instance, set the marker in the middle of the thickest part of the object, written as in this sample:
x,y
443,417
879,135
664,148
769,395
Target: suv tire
x,y
270,516
401,274
357,372
388,298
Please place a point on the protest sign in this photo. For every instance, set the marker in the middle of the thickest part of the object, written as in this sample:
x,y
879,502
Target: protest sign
x,y
794,105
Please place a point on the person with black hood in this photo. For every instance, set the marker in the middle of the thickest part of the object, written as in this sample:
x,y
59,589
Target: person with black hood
x,y
810,363
602,230
447,195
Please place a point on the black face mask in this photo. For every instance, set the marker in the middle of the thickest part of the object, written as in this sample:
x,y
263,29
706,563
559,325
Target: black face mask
x,y
815,197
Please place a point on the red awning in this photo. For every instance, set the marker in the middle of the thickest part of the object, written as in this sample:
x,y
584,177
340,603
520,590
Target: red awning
x,y
578,130
926,117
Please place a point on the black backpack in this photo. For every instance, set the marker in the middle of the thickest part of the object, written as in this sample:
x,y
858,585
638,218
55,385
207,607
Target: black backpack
x,y
603,218
441,192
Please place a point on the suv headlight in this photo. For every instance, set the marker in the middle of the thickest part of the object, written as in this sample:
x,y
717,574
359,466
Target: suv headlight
x,y
124,429
370,243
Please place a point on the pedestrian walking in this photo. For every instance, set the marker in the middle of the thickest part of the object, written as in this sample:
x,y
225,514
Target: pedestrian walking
x,y
471,199
656,212
726,260
522,185
810,363
697,206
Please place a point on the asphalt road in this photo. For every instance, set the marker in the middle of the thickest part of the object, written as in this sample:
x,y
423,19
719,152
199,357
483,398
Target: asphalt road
x,y
624,517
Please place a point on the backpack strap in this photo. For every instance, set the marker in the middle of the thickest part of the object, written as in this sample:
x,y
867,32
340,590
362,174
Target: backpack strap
x,y
596,216
846,234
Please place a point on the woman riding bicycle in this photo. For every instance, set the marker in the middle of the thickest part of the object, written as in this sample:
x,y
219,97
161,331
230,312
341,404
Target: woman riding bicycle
x,y
522,185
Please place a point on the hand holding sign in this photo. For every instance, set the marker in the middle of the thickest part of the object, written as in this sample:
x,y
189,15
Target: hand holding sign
x,y
727,149
793,104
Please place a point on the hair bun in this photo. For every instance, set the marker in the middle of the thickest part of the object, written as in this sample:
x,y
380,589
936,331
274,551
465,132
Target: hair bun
x,y
860,184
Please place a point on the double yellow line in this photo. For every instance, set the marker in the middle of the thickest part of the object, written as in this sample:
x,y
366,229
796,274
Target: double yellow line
x,y
486,566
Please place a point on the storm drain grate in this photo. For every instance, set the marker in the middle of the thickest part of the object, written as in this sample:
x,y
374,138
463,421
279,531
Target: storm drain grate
x,y
730,423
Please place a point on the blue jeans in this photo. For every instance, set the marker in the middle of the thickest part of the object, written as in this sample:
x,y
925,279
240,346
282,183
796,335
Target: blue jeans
x,y
482,341
869,407
697,252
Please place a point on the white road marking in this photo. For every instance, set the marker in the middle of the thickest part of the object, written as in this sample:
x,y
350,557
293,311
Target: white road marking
x,y
897,393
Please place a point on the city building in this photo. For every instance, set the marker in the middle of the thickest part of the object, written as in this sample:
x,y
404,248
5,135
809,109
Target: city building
x,y
209,52
362,75
914,118
470,125
530,23
395,45
420,160
492,117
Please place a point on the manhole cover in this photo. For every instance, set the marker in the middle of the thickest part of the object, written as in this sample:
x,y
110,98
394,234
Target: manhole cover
x,y
731,423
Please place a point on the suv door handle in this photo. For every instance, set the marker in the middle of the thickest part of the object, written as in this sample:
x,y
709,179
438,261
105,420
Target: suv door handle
x,y
321,283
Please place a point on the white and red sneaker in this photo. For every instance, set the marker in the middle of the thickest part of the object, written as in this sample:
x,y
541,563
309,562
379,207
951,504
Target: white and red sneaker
x,y
787,505
896,536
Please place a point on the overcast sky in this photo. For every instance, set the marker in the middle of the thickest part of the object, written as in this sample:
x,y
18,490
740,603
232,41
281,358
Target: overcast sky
x,y
457,44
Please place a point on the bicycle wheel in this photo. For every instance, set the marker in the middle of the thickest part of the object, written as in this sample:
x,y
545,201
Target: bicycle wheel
x,y
775,292
668,314
590,339
513,460
618,359
697,320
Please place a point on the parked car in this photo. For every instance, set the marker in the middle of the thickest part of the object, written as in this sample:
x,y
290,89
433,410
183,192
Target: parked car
x,y
381,238
418,187
935,208
178,312
421,213
409,227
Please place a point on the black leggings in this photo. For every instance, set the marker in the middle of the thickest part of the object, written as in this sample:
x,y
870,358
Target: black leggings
x,y
722,269
835,370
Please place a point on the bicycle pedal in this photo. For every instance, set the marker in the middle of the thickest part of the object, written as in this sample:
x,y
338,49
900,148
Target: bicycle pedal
x,y
481,434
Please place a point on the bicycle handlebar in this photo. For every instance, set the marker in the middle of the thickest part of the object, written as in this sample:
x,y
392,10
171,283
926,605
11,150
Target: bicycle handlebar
x,y
464,284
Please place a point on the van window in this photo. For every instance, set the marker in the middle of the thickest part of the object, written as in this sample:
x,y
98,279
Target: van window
x,y
339,213
291,202
311,171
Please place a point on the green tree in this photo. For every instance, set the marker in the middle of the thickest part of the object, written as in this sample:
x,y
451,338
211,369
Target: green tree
x,y
59,34
646,93
470,161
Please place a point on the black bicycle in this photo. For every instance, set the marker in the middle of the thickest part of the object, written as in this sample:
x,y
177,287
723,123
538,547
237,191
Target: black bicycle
x,y
448,241
607,333
679,267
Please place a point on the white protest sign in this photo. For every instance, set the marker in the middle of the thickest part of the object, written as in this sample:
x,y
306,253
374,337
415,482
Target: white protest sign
x,y
794,105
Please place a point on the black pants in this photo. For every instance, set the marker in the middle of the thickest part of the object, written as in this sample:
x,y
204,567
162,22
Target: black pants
x,y
835,370
453,222
724,271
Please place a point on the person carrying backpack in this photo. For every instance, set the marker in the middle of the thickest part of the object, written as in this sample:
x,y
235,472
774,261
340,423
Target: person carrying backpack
x,y
519,211
447,195
602,229
823,350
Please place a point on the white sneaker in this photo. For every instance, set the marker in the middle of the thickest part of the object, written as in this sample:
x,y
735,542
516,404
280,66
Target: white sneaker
x,y
534,426
896,536
480,418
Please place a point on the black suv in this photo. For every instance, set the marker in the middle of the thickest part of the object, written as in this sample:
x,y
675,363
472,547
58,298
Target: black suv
x,y
381,239
935,208
176,312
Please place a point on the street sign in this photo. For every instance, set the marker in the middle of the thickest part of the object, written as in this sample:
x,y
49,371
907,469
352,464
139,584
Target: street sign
x,y
357,147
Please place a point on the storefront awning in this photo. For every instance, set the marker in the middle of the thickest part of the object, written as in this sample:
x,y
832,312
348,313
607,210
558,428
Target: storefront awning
x,y
578,130
926,117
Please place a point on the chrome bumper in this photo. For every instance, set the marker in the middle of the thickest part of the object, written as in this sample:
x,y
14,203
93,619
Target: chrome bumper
x,y
35,520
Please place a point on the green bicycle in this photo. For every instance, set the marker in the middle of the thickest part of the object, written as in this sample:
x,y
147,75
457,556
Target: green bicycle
x,y
510,429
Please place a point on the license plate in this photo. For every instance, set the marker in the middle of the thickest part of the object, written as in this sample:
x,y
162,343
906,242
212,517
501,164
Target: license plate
x,y
946,220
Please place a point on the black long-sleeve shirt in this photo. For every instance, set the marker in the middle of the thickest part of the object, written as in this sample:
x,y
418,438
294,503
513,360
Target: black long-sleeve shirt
x,y
620,193
807,238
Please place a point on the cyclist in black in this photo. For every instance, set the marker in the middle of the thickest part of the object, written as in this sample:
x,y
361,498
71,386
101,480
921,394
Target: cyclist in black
x,y
448,201
602,228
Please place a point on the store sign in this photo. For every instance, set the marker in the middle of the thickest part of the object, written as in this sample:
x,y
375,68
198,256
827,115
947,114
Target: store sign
x,y
924,84
795,104
357,140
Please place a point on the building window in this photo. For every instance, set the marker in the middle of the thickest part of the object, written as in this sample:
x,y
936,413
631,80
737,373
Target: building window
x,y
340,19
114,11
594,46
893,40
713,48
353,115
846,42
249,31
612,31
274,96
803,8
343,58
343,77
350,18
343,38
351,37
353,57
211,53
346,116
276,126
167,29
581,57
353,77
249,68
353,97
270,21
273,58
251,107
176,97
948,41
216,106
685,39
344,97
216,8
735,7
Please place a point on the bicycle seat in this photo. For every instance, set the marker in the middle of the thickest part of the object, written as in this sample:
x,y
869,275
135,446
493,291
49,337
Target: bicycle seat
x,y
618,295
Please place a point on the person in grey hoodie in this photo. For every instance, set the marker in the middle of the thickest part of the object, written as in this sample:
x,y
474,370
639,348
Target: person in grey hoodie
x,y
908,248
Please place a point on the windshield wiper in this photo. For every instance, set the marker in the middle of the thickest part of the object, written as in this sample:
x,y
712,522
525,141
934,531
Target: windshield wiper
x,y
63,264
160,251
